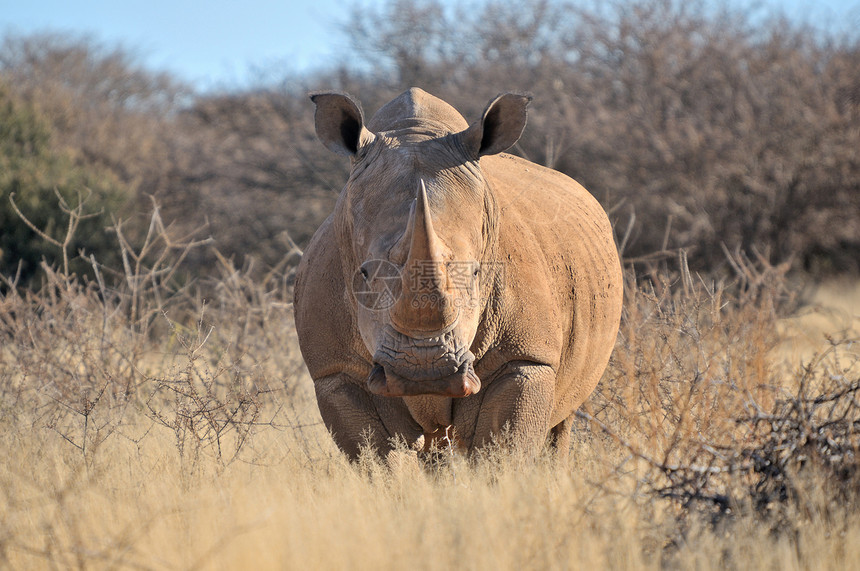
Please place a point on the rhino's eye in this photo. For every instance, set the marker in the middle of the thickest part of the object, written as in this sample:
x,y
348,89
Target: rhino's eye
x,y
477,269
364,273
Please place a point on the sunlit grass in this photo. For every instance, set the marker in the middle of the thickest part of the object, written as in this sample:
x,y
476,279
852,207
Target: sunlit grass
x,y
192,440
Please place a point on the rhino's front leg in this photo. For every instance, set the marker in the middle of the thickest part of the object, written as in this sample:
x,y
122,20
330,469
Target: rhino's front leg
x,y
357,417
521,397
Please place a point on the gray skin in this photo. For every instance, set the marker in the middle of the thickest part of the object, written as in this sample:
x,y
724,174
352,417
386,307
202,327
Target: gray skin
x,y
455,290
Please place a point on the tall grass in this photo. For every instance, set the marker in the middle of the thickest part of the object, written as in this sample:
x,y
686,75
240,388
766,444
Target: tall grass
x,y
159,424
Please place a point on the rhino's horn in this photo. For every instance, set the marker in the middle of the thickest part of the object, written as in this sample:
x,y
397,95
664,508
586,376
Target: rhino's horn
x,y
424,245
424,306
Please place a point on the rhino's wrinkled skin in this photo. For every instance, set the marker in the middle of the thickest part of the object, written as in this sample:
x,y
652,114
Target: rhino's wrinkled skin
x,y
454,289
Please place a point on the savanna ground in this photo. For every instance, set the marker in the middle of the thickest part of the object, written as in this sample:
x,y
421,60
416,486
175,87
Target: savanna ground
x,y
148,427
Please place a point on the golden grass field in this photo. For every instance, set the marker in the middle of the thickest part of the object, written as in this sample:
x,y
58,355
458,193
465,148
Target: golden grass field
x,y
142,430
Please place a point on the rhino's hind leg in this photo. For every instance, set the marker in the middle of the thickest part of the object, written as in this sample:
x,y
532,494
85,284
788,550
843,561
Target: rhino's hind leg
x,y
357,418
521,398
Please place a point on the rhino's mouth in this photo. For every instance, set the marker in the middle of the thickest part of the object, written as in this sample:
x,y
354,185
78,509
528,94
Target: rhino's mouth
x,y
408,366
387,383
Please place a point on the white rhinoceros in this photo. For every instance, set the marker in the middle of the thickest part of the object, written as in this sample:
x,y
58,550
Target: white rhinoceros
x,y
455,290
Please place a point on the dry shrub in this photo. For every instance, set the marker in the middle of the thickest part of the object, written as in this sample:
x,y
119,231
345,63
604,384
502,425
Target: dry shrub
x,y
104,107
168,423
85,356
112,394
702,411
248,165
703,125
700,125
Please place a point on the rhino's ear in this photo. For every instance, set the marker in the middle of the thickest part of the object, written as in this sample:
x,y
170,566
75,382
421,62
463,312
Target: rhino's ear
x,y
500,126
340,123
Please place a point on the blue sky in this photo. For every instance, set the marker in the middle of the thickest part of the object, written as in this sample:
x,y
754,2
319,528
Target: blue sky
x,y
215,43
207,42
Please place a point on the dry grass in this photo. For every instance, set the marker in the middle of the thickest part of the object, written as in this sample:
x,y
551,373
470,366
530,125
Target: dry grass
x,y
143,427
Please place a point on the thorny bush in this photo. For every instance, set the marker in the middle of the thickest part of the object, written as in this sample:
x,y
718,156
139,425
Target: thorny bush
x,y
703,413
86,358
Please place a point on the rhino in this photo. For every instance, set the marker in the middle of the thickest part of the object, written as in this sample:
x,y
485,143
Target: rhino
x,y
456,293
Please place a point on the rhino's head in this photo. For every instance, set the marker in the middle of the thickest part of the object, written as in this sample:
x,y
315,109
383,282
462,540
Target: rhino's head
x,y
416,225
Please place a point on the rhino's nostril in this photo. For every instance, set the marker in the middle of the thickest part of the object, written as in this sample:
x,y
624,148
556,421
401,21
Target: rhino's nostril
x,y
376,379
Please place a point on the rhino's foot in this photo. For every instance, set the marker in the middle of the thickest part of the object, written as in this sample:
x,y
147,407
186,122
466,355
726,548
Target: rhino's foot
x,y
384,381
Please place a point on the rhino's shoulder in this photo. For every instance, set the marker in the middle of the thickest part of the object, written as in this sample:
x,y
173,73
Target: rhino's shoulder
x,y
327,331
523,185
558,255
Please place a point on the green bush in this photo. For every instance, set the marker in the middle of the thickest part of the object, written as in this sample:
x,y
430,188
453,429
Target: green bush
x,y
47,187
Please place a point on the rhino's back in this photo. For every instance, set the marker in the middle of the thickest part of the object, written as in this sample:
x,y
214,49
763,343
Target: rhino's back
x,y
416,104
563,278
